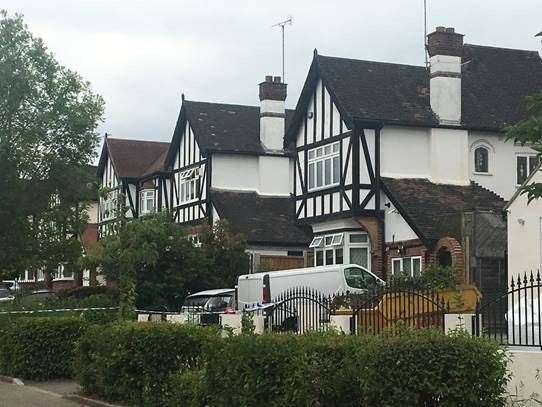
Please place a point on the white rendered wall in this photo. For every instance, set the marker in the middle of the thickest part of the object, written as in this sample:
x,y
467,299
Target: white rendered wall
x,y
396,227
235,171
501,178
449,156
272,128
92,212
404,152
524,234
347,223
275,176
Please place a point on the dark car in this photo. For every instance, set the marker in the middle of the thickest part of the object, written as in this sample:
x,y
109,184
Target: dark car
x,y
5,294
210,304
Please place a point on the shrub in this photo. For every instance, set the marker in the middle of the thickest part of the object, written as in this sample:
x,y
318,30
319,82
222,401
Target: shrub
x,y
432,278
419,368
85,292
40,348
132,361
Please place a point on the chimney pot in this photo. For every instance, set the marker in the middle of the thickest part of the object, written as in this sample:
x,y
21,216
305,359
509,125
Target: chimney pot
x,y
268,78
276,79
445,41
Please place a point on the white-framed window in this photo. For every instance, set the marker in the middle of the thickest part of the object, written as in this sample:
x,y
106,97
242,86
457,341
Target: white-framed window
x,y
324,166
28,276
481,160
342,248
525,165
146,202
190,183
410,265
108,206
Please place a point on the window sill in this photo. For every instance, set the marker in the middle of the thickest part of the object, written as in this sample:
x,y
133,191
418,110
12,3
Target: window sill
x,y
482,173
62,279
324,188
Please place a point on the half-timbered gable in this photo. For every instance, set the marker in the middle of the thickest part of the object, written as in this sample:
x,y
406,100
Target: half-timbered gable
x,y
335,161
131,171
189,173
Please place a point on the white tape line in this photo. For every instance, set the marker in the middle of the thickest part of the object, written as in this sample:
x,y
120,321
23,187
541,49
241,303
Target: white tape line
x,y
57,310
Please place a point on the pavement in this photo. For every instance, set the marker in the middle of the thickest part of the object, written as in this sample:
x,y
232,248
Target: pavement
x,y
31,396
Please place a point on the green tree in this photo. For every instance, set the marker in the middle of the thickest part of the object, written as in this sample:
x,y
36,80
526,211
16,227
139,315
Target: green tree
x,y
529,131
48,122
156,265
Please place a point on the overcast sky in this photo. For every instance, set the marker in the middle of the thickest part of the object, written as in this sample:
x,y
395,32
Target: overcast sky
x,y
141,55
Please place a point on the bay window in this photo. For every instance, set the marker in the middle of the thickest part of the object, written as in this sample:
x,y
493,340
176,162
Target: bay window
x,y
341,248
324,166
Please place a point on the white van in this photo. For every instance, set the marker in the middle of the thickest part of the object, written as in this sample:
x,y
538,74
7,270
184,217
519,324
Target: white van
x,y
327,280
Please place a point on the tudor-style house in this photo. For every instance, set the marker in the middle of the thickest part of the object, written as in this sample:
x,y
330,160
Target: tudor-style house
x,y
393,167
400,166
224,162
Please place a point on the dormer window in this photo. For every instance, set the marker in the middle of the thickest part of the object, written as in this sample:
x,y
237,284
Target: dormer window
x,y
481,160
190,185
147,201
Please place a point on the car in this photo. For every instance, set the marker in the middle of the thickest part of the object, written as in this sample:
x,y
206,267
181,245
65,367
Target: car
x,y
5,294
210,304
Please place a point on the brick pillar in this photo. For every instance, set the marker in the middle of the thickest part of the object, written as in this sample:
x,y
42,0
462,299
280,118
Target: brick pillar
x,y
372,226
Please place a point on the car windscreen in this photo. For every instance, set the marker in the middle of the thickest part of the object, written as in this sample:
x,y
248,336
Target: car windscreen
x,y
359,278
219,302
198,301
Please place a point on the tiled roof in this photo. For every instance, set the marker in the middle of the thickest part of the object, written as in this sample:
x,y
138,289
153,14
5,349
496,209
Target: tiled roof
x,y
263,220
134,158
433,210
220,127
495,82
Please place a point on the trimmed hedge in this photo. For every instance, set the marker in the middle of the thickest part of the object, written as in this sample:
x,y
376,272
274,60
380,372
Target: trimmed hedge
x,y
414,369
40,348
172,365
132,361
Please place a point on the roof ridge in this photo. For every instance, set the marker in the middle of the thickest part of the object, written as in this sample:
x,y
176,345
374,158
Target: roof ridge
x,y
138,140
220,103
503,48
373,62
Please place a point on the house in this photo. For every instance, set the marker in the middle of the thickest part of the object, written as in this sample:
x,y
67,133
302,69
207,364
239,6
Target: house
x,y
224,162
393,162
524,220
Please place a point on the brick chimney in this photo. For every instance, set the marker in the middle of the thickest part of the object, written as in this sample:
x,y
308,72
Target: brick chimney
x,y
272,112
445,48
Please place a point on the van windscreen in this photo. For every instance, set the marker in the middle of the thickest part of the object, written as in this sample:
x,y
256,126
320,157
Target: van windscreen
x,y
358,278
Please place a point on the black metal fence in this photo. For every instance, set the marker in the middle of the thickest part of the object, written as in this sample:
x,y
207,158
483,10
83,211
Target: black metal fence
x,y
514,317
302,309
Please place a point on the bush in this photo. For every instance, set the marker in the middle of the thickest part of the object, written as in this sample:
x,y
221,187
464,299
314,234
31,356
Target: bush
x,y
40,348
419,368
431,278
133,361
85,292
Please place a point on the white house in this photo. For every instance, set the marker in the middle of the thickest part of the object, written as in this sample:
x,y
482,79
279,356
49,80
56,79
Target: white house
x,y
524,222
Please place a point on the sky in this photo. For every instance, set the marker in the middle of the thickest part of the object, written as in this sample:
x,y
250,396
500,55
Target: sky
x,y
142,55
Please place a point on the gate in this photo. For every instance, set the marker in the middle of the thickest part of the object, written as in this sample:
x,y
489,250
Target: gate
x,y
390,308
513,318
298,309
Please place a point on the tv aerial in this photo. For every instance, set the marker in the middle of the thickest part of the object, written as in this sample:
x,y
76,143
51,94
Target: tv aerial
x,y
282,25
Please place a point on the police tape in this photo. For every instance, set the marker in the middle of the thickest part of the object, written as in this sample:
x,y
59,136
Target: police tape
x,y
58,310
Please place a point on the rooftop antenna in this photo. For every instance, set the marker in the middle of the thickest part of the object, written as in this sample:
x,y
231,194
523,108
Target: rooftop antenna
x,y
283,24
425,33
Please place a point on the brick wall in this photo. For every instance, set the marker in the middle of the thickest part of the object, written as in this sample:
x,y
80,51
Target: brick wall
x,y
408,248
373,227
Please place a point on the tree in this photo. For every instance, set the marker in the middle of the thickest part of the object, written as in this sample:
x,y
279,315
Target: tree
x,y
48,122
156,265
529,131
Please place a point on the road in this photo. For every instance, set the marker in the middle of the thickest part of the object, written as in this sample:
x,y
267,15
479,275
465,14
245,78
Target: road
x,y
30,396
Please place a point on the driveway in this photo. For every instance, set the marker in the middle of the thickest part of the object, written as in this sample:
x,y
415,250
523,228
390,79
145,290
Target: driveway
x,y
30,396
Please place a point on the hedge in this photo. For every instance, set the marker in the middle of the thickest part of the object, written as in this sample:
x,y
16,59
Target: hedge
x,y
171,365
413,369
132,361
40,348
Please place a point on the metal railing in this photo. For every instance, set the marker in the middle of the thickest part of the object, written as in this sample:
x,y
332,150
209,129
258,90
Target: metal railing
x,y
514,317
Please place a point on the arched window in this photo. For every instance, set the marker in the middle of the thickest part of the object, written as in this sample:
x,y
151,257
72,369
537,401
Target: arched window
x,y
481,159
